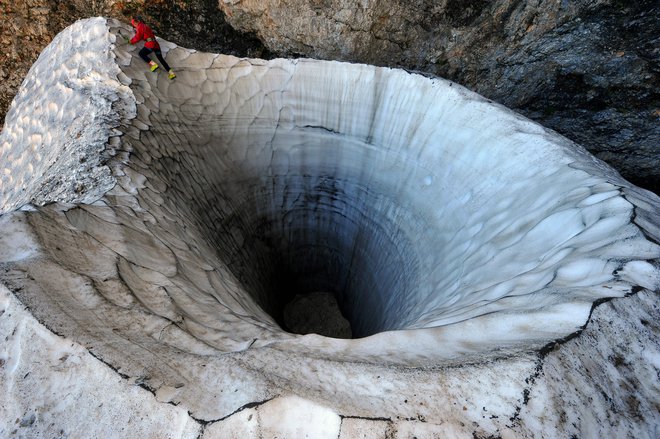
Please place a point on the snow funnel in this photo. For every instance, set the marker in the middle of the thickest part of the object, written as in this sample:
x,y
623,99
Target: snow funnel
x,y
167,222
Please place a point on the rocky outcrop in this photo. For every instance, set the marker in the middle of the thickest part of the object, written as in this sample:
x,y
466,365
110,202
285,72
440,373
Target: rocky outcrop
x,y
588,69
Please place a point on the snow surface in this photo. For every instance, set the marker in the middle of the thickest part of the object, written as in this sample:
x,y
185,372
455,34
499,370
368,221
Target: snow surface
x,y
452,230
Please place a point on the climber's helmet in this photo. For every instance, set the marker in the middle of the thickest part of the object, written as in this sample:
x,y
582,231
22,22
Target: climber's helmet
x,y
136,20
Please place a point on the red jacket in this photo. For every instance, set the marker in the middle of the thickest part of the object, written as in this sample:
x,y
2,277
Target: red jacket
x,y
144,32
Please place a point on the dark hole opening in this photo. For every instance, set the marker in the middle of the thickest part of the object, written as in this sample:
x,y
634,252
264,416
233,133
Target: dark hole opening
x,y
317,253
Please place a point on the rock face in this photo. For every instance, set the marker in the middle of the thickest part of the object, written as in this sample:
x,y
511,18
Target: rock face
x,y
452,231
588,69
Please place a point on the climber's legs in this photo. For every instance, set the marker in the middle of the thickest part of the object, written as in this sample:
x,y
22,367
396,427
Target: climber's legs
x,y
159,55
144,54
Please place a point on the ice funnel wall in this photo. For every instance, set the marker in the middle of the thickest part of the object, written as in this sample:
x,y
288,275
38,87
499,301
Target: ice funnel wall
x,y
448,227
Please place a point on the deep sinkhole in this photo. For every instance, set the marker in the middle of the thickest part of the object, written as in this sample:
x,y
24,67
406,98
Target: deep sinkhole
x,y
315,248
400,202
299,235
407,216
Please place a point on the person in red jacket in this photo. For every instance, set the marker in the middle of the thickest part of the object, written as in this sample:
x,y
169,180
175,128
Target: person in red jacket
x,y
144,32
